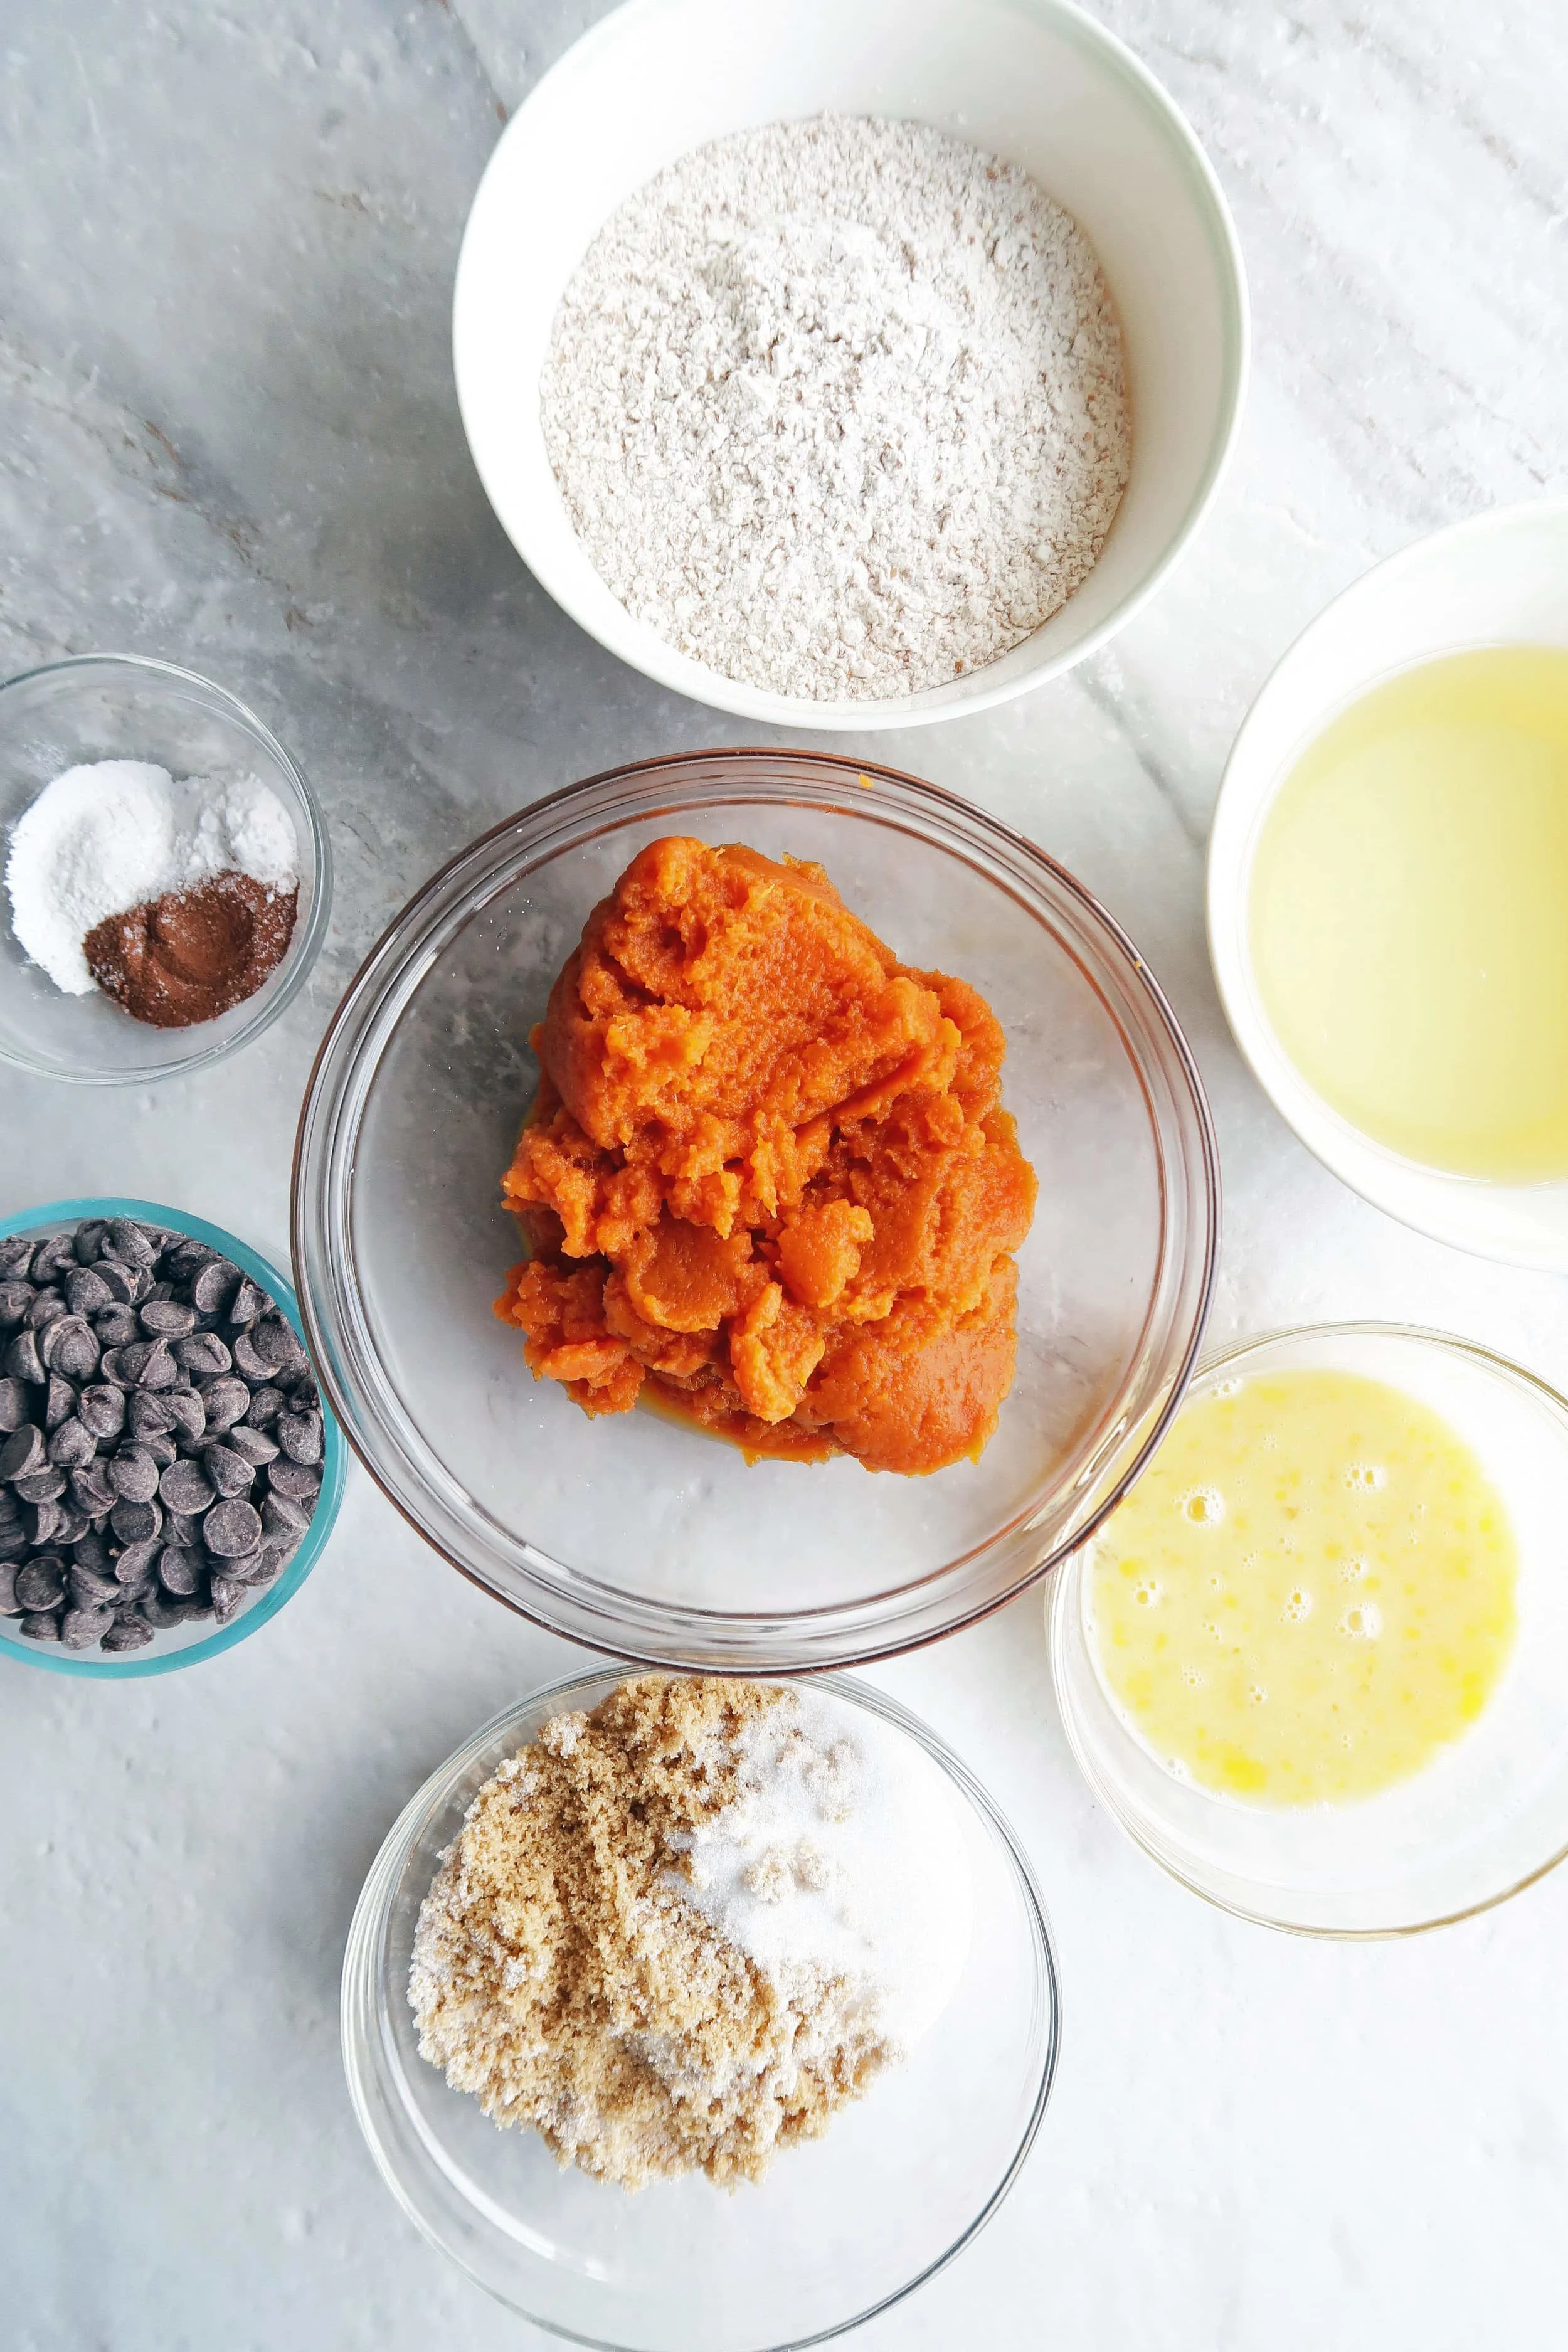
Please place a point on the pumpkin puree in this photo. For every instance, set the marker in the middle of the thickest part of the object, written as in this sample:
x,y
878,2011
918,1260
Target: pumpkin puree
x,y
766,1182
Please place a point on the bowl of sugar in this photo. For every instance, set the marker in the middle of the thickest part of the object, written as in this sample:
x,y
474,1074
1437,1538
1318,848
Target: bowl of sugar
x,y
167,875
856,365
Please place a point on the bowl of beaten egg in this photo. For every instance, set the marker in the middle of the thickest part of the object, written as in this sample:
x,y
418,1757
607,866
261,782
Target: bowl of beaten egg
x,y
1317,1664
633,1530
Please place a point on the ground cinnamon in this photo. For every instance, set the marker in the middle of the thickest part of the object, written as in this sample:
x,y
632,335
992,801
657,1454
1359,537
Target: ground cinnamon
x,y
195,953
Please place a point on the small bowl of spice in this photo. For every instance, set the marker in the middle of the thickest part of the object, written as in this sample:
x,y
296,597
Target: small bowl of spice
x,y
166,871
167,1473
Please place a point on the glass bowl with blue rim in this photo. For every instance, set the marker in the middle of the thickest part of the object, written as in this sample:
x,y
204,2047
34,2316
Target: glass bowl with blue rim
x,y
191,1644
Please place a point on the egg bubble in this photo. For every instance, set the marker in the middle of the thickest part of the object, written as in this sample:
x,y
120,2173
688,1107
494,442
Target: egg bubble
x,y
1355,1570
1361,1623
1298,1606
1365,1477
1257,1695
1230,1388
1193,1678
1204,1506
1147,1591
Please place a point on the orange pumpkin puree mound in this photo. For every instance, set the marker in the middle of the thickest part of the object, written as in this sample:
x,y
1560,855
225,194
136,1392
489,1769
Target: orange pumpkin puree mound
x,y
767,1181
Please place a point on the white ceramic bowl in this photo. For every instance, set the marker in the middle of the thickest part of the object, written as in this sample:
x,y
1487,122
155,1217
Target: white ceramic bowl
x,y
1032,80
1501,579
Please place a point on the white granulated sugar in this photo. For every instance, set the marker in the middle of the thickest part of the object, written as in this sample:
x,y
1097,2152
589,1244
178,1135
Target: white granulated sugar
x,y
113,834
837,407
842,1861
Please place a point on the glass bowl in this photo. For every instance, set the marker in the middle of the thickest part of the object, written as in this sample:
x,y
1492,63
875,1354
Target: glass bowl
x,y
637,1536
120,706
188,1645
839,2228
1490,1814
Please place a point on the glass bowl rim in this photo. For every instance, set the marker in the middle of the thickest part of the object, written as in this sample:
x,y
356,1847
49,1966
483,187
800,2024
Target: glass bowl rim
x,y
334,1454
390,973
365,1954
1058,1602
303,946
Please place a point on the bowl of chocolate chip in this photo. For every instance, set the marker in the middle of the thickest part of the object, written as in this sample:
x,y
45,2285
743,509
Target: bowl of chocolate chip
x,y
168,1475
166,871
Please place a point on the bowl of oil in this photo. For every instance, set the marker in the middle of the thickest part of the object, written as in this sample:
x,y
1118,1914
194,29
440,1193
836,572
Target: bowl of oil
x,y
1317,1662
1388,886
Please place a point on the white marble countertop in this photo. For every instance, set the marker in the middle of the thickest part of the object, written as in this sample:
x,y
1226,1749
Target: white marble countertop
x,y
227,436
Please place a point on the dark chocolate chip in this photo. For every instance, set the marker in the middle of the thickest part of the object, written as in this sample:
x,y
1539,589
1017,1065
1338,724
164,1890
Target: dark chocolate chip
x,y
122,1286
23,1451
44,1486
128,1634
46,1522
231,1528
254,1367
47,1308
82,1628
112,1369
90,1490
229,1471
299,1480
150,1415
42,1584
14,1540
16,1257
14,1404
247,1304
223,1401
71,1346
186,1487
53,1258
228,1596
188,1412
87,1239
167,1318
214,1285
102,1409
15,1297
70,1525
60,1401
299,1435
134,1522
87,1293
133,1474
284,1518
202,1354
161,1614
9,1605
265,1407
128,1243
93,1552
134,1561
40,1627
72,1444
163,1447
180,1571
182,1526
251,1444
116,1326
88,1590
23,1360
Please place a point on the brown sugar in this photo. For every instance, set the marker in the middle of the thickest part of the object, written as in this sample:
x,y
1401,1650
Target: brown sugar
x,y
767,1181
560,1976
193,953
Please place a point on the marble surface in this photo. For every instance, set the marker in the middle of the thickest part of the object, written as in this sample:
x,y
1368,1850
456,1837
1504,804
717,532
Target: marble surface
x,y
227,436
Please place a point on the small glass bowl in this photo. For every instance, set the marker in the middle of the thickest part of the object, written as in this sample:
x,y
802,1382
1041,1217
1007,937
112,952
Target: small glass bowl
x,y
1490,1814
634,1535
840,2228
121,707
188,1645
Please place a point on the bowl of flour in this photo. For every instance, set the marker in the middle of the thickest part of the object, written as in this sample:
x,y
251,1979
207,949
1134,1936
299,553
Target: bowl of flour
x,y
857,364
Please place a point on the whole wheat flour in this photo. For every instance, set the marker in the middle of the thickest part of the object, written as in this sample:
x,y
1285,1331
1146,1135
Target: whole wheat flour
x,y
678,1933
837,407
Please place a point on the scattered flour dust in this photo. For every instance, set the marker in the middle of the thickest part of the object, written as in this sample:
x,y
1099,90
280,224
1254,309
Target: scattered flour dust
x,y
837,407
680,1932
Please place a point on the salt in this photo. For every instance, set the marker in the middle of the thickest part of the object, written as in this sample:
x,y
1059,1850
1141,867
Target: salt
x,y
113,833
